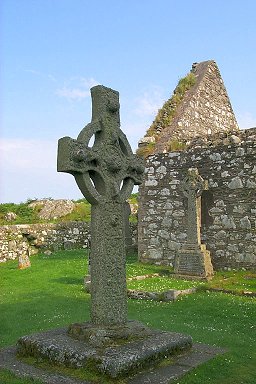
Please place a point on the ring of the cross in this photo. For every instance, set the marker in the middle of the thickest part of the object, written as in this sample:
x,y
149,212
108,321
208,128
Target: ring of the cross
x,y
105,176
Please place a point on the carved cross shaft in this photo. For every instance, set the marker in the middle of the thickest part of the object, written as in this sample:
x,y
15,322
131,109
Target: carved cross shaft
x,y
193,186
105,173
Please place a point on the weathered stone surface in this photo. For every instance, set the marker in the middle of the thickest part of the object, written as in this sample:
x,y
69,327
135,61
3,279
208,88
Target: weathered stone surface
x,y
48,238
223,208
228,222
9,360
147,140
251,184
10,216
41,237
235,183
24,261
245,223
102,336
105,174
170,295
225,156
132,356
204,110
180,365
50,209
194,262
57,346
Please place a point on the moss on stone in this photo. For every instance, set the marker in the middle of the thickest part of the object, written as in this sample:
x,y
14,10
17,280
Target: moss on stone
x,y
176,145
146,150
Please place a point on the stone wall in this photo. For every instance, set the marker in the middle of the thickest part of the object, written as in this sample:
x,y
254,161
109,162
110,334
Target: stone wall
x,y
32,238
228,207
17,239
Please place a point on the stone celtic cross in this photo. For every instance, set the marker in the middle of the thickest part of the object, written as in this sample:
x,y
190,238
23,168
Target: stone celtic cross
x,y
105,172
192,186
193,258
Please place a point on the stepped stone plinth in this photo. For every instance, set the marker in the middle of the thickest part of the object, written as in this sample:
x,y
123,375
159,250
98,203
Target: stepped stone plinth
x,y
134,347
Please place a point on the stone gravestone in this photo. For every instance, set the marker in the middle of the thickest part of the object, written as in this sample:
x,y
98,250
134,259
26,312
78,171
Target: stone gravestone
x,y
194,259
24,261
105,173
24,251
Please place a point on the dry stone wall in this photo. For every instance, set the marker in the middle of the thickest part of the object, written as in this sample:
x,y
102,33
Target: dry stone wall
x,y
228,217
16,240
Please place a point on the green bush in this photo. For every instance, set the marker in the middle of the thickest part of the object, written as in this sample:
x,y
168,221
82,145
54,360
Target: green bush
x,y
25,214
28,215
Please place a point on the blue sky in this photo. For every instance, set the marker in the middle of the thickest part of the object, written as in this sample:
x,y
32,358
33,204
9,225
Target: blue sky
x,y
53,51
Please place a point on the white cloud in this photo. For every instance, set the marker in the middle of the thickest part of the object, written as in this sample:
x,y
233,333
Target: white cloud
x,y
88,83
78,88
38,73
72,93
149,103
24,155
134,132
29,170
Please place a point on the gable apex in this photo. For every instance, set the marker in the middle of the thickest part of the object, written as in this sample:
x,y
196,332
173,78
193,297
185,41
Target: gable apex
x,y
198,107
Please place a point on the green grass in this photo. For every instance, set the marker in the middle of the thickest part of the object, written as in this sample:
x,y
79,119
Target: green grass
x,y
82,212
7,377
237,281
161,284
50,294
43,296
134,268
213,318
25,214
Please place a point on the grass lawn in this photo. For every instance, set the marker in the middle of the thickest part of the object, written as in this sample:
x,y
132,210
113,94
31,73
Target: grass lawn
x,y
50,294
162,283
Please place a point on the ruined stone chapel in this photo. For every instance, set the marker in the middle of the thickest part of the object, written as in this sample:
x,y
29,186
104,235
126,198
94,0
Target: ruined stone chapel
x,y
197,129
